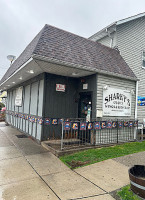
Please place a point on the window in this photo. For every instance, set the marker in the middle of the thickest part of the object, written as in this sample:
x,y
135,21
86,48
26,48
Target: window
x,y
143,59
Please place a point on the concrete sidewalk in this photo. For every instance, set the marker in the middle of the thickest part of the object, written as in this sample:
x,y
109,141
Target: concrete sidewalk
x,y
28,171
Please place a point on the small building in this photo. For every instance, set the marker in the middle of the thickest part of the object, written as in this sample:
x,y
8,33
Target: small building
x,y
128,36
62,75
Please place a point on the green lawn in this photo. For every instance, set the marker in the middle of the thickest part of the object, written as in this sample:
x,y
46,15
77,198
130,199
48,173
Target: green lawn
x,y
99,154
126,194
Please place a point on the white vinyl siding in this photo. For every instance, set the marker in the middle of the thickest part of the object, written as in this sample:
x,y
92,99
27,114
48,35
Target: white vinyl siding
x,y
105,41
118,83
130,40
131,43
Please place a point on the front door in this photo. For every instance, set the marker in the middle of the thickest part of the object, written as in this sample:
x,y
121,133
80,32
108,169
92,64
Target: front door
x,y
85,102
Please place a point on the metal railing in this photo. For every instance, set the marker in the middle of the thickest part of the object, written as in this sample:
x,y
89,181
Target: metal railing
x,y
78,133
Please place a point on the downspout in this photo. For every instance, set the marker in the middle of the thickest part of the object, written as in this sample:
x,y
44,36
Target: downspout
x,y
135,130
136,100
111,38
111,42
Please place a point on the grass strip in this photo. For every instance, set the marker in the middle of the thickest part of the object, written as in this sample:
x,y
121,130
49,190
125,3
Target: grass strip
x,y
91,156
126,194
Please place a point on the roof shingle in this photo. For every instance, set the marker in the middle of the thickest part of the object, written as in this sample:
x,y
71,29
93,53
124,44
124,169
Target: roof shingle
x,y
55,43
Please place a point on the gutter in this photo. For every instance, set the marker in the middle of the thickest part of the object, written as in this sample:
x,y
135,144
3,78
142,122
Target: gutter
x,y
122,21
136,99
99,36
72,65
136,93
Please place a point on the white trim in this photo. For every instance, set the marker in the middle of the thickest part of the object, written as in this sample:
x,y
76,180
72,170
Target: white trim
x,y
30,59
101,31
72,65
99,35
111,42
136,99
122,21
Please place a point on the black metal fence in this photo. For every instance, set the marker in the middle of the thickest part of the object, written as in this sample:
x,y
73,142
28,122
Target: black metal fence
x,y
74,133
77,132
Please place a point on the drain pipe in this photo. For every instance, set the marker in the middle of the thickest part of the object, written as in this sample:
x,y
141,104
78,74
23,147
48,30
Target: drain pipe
x,y
136,99
111,38
135,130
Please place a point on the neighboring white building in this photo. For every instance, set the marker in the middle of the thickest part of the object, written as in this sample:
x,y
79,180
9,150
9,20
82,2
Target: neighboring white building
x,y
128,36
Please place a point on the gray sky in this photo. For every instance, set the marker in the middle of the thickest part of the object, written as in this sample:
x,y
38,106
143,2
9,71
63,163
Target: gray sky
x,y
21,20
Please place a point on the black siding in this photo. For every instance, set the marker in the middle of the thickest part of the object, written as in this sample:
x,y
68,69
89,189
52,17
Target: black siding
x,y
64,104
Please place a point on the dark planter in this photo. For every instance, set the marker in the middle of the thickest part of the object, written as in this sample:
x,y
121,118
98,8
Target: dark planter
x,y
137,180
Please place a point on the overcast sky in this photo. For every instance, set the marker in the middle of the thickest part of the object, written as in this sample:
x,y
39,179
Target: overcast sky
x,y
21,20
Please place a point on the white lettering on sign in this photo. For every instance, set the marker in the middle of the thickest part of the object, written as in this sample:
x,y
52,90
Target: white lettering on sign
x,y
116,102
60,87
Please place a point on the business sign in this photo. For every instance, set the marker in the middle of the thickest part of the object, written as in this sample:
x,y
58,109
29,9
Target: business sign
x,y
60,87
85,86
116,102
18,99
141,101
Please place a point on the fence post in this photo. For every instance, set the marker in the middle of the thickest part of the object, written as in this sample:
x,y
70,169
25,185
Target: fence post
x,y
135,131
62,136
117,130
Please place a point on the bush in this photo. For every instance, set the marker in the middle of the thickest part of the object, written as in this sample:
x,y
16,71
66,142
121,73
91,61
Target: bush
x,y
1,105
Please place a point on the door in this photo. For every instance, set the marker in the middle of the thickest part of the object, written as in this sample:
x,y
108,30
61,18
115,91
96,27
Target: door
x,y
85,103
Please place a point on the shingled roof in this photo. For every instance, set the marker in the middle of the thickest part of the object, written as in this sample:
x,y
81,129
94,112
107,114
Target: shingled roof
x,y
55,43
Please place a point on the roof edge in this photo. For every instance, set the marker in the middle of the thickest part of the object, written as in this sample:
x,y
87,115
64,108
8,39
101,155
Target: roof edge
x,y
22,66
122,21
102,30
55,61
119,22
